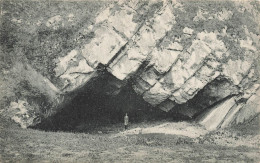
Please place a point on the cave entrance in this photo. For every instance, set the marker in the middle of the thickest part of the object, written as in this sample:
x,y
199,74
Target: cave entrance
x,y
102,104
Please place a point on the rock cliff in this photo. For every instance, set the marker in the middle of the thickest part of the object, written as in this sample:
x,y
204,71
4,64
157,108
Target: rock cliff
x,y
199,59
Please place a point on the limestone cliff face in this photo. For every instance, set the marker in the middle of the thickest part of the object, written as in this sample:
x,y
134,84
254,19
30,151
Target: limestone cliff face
x,y
173,52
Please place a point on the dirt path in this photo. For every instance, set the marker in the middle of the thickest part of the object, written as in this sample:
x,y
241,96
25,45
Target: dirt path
x,y
170,128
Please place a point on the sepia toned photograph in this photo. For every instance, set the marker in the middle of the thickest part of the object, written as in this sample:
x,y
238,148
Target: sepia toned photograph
x,y
129,81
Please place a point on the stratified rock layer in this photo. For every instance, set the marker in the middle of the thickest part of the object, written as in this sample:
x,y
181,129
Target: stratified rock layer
x,y
170,51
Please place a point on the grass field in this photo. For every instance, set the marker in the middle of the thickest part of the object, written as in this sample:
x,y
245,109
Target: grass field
x,y
28,145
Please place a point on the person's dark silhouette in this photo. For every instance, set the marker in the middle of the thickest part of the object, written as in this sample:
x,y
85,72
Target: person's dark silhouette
x,y
126,119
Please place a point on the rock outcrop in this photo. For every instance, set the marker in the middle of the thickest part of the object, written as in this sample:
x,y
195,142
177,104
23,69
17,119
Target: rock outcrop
x,y
172,52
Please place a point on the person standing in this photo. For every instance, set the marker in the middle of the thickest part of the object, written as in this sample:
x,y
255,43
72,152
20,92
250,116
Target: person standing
x,y
126,119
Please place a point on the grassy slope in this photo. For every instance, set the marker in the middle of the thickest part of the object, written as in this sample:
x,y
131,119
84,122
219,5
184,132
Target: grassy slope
x,y
37,146
25,38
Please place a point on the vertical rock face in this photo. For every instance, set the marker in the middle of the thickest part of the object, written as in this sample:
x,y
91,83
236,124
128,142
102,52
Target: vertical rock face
x,y
182,56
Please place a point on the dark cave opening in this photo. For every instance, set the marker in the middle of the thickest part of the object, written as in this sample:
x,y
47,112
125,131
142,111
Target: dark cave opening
x,y
212,94
104,102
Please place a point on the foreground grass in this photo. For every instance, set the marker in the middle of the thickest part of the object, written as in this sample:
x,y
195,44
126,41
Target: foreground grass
x,y
20,145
